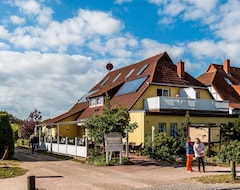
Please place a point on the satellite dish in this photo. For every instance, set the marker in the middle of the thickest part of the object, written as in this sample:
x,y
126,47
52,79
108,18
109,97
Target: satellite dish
x,y
109,66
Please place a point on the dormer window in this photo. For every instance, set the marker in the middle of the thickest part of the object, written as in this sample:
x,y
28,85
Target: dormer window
x,y
97,101
129,73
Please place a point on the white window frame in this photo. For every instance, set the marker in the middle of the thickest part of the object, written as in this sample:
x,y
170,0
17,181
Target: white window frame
x,y
97,101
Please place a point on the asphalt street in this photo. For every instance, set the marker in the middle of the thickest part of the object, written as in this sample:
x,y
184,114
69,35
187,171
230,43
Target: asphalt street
x,y
55,174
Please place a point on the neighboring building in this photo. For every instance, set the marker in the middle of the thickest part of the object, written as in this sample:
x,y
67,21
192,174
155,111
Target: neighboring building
x,y
223,82
156,92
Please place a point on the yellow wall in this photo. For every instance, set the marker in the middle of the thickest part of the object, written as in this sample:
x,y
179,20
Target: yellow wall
x,y
145,123
137,135
174,91
67,130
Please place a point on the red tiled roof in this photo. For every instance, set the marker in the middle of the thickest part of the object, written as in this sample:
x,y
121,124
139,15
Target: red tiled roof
x,y
158,69
76,109
226,85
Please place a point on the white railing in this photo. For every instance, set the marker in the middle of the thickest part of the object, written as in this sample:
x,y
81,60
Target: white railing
x,y
65,148
182,103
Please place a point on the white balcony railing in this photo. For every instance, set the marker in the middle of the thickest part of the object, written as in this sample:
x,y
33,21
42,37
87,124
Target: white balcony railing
x,y
182,103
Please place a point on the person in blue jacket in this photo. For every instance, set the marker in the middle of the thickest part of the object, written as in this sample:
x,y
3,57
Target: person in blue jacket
x,y
189,154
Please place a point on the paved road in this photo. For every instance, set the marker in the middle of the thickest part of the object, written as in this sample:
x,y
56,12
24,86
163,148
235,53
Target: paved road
x,y
55,174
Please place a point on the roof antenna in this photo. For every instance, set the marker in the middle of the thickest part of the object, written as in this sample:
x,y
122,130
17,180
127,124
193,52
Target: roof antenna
x,y
109,66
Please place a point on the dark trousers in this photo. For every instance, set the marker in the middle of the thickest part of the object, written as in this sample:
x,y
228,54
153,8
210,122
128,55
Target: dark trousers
x,y
200,161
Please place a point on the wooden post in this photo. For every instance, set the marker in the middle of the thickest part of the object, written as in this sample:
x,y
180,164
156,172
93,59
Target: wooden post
x,y
233,170
31,183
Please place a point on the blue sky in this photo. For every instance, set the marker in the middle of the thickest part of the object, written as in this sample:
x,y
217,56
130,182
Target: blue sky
x,y
53,51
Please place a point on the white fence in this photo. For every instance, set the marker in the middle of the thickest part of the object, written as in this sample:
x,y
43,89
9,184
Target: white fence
x,y
63,147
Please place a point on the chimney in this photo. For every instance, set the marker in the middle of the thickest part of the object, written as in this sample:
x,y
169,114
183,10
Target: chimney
x,y
226,66
180,69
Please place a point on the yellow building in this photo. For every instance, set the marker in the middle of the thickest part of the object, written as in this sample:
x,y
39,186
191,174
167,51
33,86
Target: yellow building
x,y
158,94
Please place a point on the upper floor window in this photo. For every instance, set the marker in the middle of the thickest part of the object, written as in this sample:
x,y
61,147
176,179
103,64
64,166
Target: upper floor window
x,y
173,130
162,127
163,92
98,101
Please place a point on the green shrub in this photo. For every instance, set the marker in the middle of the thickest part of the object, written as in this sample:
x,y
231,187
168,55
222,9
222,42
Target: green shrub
x,y
6,135
230,151
165,147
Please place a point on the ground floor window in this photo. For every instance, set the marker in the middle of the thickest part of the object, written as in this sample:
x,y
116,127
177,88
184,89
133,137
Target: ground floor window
x,y
162,127
173,130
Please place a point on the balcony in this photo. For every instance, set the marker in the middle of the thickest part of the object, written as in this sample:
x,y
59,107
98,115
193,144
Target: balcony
x,y
160,103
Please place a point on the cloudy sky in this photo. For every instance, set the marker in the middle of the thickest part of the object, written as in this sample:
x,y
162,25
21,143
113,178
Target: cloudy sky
x,y
53,51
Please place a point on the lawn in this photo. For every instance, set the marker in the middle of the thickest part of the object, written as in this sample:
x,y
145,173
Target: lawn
x,y
10,169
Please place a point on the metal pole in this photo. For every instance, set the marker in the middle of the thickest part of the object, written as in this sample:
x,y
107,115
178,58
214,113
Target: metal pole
x,y
127,147
153,136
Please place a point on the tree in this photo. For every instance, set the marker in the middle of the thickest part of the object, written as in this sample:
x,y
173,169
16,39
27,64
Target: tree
x,y
28,125
182,133
231,131
113,119
6,135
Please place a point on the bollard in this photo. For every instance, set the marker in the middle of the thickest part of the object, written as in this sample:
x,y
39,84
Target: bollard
x,y
31,183
233,170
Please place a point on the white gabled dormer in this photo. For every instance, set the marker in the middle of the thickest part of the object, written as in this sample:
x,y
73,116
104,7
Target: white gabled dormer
x,y
96,101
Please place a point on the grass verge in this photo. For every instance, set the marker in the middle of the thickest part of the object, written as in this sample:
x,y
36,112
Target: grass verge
x,y
213,179
11,172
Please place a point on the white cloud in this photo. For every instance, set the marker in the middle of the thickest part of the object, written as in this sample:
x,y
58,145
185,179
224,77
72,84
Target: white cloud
x,y
3,32
33,80
151,47
17,20
74,31
122,1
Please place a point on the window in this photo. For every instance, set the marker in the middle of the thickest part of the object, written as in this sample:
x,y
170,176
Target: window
x,y
228,81
84,98
162,127
115,79
104,82
163,92
173,130
96,101
129,73
132,86
142,69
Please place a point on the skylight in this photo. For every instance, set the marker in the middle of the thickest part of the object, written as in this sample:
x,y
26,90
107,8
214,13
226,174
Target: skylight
x,y
228,81
129,73
132,86
115,79
84,98
104,82
142,69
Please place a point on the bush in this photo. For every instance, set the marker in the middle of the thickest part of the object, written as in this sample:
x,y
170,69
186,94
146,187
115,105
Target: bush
x,y
6,135
165,147
230,151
